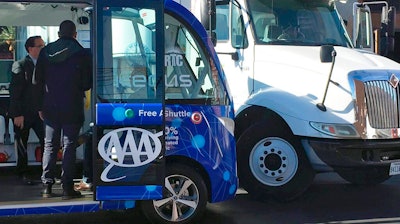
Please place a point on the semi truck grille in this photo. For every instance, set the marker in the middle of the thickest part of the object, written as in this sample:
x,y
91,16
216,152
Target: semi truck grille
x,y
382,101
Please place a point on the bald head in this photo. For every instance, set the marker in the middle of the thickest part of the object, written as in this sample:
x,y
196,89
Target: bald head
x,y
67,29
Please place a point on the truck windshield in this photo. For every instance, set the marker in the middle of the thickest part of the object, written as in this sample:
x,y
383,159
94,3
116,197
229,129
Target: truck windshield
x,y
297,22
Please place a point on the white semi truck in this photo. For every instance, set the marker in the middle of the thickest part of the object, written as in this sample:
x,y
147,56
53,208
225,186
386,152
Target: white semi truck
x,y
306,101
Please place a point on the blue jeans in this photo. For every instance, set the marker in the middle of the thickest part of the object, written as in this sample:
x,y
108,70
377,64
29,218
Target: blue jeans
x,y
52,143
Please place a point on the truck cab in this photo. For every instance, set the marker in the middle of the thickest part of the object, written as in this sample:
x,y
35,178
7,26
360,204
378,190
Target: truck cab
x,y
306,100
159,115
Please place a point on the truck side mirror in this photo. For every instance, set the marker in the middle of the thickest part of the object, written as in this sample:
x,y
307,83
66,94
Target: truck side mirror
x,y
325,53
387,31
391,29
207,14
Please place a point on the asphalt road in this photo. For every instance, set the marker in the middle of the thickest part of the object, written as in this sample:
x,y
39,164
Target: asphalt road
x,y
329,200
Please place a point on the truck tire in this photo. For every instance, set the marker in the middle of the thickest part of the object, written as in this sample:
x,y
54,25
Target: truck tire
x,y
184,197
365,176
272,162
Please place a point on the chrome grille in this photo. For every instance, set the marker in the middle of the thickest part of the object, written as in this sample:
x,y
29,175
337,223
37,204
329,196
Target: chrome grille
x,y
382,101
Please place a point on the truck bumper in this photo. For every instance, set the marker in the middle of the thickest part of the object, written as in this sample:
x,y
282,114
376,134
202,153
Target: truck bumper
x,y
325,153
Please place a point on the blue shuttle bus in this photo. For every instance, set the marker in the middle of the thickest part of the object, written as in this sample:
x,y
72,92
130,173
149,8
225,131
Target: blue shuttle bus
x,y
160,114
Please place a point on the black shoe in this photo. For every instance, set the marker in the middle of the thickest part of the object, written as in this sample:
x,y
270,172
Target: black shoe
x,y
46,192
70,194
27,181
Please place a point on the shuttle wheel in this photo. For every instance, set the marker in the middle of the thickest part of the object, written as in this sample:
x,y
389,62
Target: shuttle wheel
x,y
185,197
272,162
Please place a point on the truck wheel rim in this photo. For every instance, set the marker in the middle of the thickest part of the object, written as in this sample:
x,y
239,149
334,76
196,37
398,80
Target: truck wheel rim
x,y
180,201
273,161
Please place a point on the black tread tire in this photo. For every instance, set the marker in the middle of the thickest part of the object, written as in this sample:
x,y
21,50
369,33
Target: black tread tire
x,y
149,210
365,176
301,178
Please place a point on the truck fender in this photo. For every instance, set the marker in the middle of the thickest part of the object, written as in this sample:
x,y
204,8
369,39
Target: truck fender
x,y
295,111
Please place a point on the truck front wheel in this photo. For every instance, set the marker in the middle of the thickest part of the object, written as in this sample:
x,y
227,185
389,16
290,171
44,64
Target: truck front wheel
x,y
272,162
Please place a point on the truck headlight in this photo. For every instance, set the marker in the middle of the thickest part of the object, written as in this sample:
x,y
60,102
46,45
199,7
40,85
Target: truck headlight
x,y
336,130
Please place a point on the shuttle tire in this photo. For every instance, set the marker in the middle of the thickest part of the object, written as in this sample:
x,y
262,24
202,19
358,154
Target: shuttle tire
x,y
184,197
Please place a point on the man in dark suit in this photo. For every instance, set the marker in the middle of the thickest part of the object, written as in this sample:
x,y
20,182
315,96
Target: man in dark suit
x,y
23,105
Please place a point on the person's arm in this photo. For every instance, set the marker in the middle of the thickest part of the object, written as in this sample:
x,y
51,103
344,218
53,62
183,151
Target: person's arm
x,y
87,70
17,86
38,81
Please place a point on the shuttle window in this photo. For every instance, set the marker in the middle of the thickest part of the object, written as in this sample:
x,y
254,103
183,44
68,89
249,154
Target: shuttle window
x,y
189,72
129,68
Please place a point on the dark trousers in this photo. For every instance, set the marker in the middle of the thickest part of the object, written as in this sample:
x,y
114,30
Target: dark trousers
x,y
21,142
52,143
88,161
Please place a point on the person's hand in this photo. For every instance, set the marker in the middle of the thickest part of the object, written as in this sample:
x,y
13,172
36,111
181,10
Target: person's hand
x,y
19,122
41,115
